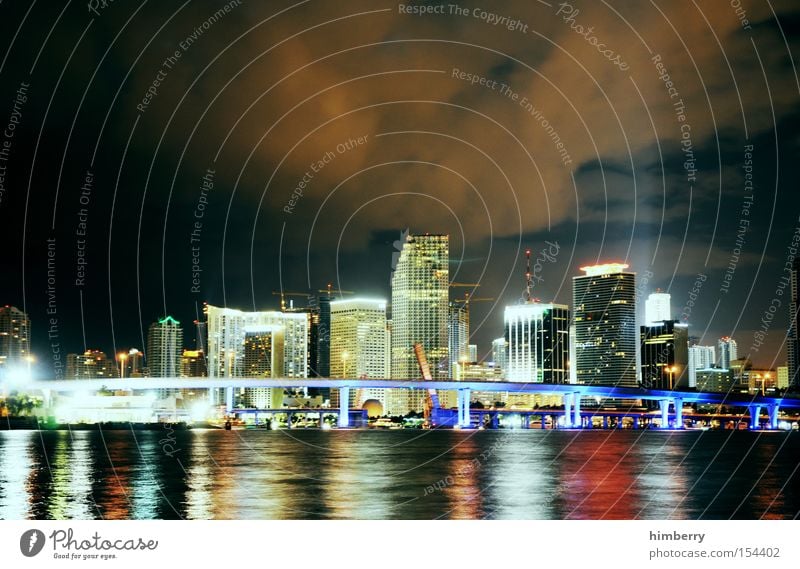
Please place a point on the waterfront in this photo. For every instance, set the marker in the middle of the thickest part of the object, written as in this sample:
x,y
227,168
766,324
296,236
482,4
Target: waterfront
x,y
215,474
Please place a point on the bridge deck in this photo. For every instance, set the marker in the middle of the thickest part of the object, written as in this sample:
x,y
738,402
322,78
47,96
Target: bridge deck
x,y
605,392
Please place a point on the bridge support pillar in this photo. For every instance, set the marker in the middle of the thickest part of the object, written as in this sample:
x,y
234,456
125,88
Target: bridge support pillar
x,y
635,422
605,421
47,398
463,407
774,409
229,399
344,407
577,420
755,413
664,405
568,409
544,421
678,412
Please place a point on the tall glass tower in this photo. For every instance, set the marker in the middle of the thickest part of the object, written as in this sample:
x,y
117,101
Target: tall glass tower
x,y
727,351
15,338
792,336
538,342
458,331
359,346
165,348
420,289
606,337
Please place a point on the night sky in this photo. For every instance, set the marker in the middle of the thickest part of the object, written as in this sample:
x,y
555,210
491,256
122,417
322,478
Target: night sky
x,y
281,145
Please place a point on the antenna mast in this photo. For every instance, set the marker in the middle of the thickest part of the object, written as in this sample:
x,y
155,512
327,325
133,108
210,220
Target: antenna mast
x,y
528,280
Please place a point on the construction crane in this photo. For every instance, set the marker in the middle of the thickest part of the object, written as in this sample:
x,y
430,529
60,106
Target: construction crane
x,y
283,294
330,290
432,398
469,285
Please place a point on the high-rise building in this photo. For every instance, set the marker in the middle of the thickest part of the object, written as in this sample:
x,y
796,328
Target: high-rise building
x,y
420,290
201,334
500,354
792,336
324,337
164,348
473,353
131,364
700,357
193,364
727,352
359,346
227,329
311,313
782,377
92,364
715,380
458,337
538,342
15,339
657,308
606,337
263,357
665,355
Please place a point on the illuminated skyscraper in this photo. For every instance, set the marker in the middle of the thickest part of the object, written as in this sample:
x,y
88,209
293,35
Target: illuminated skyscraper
x,y
727,352
164,348
792,336
263,357
92,364
420,285
15,339
700,357
500,353
606,336
131,364
538,342
657,308
324,337
665,355
193,364
227,328
458,337
359,346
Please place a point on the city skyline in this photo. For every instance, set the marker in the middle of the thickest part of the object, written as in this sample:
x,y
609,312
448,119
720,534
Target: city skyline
x,y
142,234
458,322
400,260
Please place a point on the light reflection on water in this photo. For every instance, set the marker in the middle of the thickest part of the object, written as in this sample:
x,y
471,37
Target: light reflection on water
x,y
397,475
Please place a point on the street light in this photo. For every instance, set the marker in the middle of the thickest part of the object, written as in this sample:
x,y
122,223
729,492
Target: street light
x,y
122,357
671,371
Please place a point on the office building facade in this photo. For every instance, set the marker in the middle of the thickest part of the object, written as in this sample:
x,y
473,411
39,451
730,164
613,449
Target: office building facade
x,y
164,348
727,352
420,291
665,355
606,336
359,346
657,308
15,339
538,342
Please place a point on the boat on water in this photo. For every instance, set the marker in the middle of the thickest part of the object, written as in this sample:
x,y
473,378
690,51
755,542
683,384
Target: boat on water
x,y
385,423
228,424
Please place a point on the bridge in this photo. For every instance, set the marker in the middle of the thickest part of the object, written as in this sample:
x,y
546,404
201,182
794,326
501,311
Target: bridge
x,y
571,393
